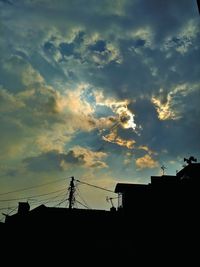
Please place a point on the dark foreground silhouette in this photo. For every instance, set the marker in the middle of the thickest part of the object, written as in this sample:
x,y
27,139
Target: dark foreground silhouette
x,y
157,222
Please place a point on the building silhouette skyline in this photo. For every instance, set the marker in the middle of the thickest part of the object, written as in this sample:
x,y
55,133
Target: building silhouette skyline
x,y
158,219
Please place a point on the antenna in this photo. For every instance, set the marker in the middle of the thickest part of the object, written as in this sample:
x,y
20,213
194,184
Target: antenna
x,y
163,168
190,160
111,201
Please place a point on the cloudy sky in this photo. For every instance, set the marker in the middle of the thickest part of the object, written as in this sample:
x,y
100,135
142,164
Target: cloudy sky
x,y
107,91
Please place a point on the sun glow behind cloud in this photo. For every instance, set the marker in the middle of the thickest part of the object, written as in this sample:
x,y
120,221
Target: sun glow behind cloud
x,y
119,107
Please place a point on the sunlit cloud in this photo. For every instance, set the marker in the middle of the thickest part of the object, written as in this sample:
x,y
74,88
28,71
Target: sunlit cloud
x,y
53,139
74,101
147,149
168,105
127,161
184,40
23,71
87,158
164,109
146,162
143,35
62,161
9,102
112,137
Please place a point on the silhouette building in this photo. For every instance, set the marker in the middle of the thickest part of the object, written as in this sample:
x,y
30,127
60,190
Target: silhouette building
x,y
171,191
165,211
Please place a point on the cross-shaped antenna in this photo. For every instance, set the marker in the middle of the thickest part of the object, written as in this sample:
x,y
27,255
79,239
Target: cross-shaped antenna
x,y
190,160
163,168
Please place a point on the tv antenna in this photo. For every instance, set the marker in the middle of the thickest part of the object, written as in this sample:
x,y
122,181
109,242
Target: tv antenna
x,y
163,168
190,160
110,199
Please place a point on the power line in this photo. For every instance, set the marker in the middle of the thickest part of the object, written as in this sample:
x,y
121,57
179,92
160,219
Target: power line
x,y
59,195
12,210
79,194
46,199
6,208
31,187
63,200
27,197
52,200
82,204
102,188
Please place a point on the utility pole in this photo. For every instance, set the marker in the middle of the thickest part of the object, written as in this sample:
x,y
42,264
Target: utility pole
x,y
71,193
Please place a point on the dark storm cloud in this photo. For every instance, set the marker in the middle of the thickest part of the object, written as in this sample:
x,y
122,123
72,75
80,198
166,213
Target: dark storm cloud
x,y
52,161
57,161
134,74
47,162
7,2
164,16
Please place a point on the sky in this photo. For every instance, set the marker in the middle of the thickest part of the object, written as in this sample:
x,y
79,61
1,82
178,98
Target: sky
x,y
106,91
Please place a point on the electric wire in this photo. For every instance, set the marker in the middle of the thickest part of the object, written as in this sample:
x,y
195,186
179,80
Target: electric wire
x,y
95,186
27,197
78,193
82,204
31,187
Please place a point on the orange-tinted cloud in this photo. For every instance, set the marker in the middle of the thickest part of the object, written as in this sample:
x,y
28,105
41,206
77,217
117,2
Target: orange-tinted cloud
x,y
146,162
115,139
